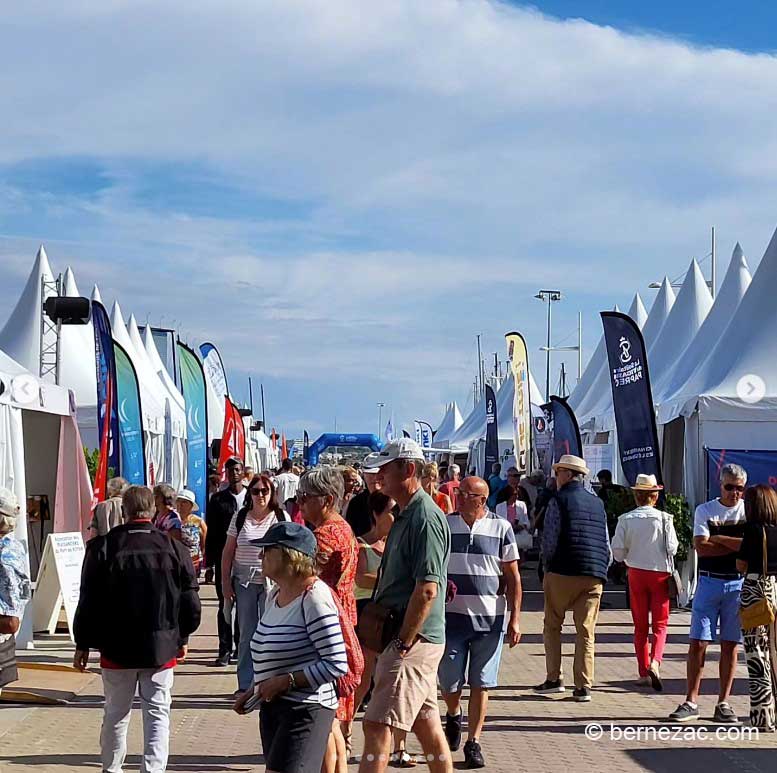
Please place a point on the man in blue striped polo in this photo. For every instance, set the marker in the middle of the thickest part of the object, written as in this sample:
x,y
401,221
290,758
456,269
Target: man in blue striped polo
x,y
483,552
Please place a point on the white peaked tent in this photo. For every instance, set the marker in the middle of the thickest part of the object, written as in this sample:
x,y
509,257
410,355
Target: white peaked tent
x,y
451,421
77,368
598,401
173,470
473,428
40,456
96,294
596,364
715,414
152,406
727,300
177,475
20,336
688,313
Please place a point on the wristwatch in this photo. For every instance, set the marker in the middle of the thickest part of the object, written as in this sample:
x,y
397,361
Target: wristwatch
x,y
400,646
292,682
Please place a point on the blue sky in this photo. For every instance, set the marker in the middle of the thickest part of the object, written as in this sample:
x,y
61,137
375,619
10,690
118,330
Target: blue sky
x,y
342,195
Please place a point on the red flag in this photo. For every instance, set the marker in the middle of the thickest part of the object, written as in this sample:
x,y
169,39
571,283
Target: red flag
x,y
274,438
233,436
284,448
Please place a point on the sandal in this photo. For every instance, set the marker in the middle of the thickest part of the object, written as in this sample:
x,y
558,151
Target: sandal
x,y
401,759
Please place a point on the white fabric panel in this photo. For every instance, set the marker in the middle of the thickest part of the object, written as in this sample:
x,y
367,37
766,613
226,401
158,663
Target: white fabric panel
x,y
20,337
672,394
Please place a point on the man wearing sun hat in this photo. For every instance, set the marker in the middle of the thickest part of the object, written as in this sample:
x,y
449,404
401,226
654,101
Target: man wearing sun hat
x,y
645,540
576,554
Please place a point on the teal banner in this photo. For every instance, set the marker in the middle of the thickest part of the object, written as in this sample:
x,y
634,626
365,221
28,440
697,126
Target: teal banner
x,y
132,464
193,388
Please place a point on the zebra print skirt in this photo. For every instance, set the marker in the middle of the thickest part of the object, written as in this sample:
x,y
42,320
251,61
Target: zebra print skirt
x,y
761,654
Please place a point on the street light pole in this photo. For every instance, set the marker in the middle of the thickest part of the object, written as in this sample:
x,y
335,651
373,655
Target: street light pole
x,y
381,406
549,296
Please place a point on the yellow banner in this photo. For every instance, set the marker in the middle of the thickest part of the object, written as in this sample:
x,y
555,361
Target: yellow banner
x,y
519,364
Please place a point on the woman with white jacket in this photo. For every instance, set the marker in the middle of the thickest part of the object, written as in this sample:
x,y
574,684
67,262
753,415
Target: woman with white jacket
x,y
645,539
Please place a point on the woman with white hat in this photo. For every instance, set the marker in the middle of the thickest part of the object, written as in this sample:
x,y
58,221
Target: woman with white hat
x,y
646,541
192,526
14,585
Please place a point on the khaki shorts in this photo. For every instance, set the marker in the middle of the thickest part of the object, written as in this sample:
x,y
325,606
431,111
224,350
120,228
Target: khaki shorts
x,y
405,688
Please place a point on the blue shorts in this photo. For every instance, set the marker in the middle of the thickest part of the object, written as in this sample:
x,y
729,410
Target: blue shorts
x,y
483,651
716,600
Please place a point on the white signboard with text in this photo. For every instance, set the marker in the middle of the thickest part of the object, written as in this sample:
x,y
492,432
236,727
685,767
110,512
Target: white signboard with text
x,y
59,581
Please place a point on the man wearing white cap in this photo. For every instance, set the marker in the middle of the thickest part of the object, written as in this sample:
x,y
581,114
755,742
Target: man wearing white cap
x,y
411,582
646,541
576,554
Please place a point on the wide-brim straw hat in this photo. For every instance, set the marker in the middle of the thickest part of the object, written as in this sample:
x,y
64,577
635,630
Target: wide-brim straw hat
x,y
647,483
572,462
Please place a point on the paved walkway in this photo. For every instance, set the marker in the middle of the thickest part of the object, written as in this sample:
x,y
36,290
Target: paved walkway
x,y
524,732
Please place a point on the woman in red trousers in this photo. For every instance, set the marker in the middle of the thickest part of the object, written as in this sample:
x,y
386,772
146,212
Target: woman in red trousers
x,y
646,541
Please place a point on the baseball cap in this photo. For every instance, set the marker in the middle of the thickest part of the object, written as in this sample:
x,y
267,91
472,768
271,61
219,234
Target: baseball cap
x,y
401,448
232,461
188,496
290,535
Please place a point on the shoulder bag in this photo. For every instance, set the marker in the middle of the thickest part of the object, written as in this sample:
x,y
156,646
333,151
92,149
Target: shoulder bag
x,y
761,612
378,624
675,581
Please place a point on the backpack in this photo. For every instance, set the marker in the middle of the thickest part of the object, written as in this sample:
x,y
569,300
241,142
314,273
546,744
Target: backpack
x,y
346,685
243,514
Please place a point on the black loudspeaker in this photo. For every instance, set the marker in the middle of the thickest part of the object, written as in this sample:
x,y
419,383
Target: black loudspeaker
x,y
215,449
68,311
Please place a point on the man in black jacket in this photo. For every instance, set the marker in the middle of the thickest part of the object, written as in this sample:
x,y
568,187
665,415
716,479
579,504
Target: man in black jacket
x,y
222,507
139,604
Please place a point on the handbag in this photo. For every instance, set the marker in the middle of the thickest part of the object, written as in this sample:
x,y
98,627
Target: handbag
x,y
675,581
378,625
761,612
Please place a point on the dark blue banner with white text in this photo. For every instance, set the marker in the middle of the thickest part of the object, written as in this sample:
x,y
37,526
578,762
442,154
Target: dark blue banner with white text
x,y
107,415
492,436
632,397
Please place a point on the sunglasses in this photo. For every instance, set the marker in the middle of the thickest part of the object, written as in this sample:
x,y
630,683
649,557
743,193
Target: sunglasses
x,y
733,487
470,494
260,492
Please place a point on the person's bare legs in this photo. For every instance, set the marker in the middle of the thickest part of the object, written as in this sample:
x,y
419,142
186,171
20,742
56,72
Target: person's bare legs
x,y
453,702
364,686
329,765
428,730
728,665
476,712
697,653
377,742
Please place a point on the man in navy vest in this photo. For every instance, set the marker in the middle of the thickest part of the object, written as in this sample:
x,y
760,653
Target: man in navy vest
x,y
576,554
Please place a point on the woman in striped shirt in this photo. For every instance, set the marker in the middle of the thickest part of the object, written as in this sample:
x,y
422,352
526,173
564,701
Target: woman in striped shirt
x,y
298,654
242,577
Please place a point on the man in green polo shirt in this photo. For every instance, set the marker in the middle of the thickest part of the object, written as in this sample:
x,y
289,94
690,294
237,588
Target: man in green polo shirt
x,y
412,581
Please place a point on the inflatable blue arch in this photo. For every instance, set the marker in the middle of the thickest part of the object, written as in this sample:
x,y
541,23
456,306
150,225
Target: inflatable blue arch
x,y
329,439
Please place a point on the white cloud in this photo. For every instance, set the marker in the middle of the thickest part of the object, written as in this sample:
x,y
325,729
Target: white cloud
x,y
450,156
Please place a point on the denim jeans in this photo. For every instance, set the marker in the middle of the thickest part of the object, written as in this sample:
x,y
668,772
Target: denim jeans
x,y
154,688
250,600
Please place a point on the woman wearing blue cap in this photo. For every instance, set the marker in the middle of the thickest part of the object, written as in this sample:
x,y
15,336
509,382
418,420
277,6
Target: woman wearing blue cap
x,y
298,653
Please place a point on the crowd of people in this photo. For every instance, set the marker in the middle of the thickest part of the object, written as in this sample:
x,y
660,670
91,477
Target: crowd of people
x,y
380,589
